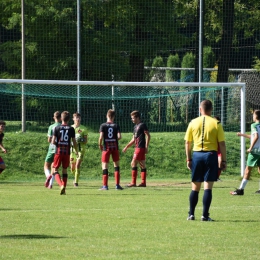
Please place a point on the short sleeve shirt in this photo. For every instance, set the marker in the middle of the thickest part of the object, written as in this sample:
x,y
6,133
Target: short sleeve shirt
x,y
50,129
205,132
50,134
110,139
81,131
255,129
139,135
63,134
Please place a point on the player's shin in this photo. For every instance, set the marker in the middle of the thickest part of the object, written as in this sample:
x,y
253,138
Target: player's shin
x,y
64,179
193,198
47,172
207,198
105,177
117,175
57,178
77,174
143,176
51,180
134,175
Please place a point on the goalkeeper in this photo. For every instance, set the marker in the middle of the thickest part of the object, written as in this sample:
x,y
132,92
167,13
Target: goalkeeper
x,y
81,136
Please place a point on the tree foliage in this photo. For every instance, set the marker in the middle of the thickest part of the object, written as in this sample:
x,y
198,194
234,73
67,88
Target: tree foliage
x,y
119,37
173,61
116,37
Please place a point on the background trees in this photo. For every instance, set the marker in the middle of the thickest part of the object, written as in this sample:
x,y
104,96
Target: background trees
x,y
120,37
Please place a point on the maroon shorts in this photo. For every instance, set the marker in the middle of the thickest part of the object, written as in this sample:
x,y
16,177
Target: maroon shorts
x,y
61,159
106,156
1,160
139,154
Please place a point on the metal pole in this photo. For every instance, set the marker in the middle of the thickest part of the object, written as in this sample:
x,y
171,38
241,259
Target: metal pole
x,y
78,55
201,25
222,106
243,128
113,94
23,69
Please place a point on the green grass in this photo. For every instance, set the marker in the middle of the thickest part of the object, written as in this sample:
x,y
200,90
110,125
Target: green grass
x,y
136,223
166,157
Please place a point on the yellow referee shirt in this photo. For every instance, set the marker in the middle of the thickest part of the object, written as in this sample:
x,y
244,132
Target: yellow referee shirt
x,y
205,132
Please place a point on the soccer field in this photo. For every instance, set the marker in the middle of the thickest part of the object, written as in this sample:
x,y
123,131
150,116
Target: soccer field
x,y
135,223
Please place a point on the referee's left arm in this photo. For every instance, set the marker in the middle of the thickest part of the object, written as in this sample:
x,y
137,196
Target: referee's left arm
x,y
222,148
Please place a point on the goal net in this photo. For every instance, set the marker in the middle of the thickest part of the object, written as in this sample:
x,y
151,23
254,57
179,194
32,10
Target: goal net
x,y
164,106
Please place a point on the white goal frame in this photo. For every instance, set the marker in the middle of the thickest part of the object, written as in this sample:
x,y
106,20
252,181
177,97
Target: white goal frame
x,y
114,83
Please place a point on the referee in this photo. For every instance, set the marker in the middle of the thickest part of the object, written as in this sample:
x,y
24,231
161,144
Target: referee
x,y
206,134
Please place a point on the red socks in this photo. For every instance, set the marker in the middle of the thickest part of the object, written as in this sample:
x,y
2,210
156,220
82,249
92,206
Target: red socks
x,y
134,175
117,177
143,176
105,180
58,179
63,181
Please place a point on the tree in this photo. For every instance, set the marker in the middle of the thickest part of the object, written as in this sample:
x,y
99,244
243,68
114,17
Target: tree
x,y
226,40
157,75
50,38
173,61
186,76
225,51
209,59
145,29
188,61
10,46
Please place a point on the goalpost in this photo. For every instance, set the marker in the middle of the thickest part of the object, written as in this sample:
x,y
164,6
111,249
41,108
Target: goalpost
x,y
165,106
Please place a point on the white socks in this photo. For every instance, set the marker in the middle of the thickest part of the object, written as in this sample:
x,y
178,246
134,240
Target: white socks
x,y
47,172
51,180
243,184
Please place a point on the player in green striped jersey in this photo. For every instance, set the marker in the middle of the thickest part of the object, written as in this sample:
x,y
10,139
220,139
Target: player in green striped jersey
x,y
51,151
253,158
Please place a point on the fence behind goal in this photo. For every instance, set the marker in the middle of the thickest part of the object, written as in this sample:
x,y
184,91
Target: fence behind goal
x,y
165,107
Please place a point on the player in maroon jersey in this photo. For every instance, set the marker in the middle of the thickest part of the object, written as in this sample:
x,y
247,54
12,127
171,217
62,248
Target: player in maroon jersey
x,y
141,139
108,144
62,137
2,129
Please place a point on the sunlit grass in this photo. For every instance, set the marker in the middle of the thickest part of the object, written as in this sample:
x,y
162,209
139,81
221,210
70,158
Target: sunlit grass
x,y
136,223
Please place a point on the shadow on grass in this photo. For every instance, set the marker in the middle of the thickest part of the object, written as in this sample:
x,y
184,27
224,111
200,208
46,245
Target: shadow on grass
x,y
239,221
28,236
23,183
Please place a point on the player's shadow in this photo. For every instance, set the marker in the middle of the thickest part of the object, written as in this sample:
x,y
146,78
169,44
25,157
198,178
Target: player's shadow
x,y
29,236
239,221
2,209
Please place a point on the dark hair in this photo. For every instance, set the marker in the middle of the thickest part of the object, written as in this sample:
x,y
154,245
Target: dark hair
x,y
2,123
257,112
76,114
136,114
206,105
57,115
111,113
65,116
